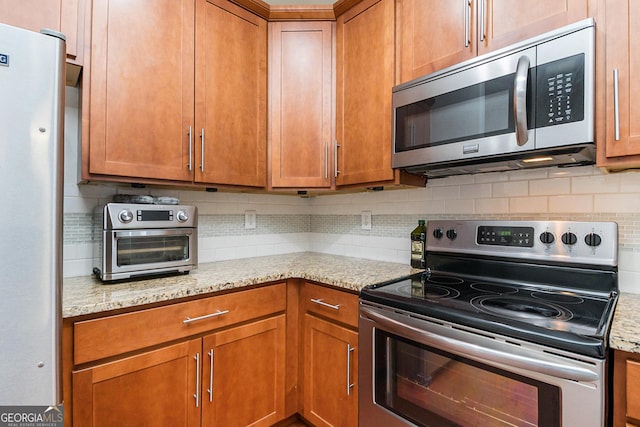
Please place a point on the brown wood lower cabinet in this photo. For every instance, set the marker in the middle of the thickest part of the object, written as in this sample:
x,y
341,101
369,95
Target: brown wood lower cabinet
x,y
626,389
218,361
230,378
329,356
152,388
330,373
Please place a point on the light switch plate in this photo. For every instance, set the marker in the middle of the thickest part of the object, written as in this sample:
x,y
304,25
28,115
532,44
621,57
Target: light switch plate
x,y
366,220
249,219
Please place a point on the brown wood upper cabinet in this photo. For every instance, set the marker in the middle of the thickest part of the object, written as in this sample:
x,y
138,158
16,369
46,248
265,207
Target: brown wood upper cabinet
x,y
621,121
231,95
301,87
365,76
162,106
435,34
66,16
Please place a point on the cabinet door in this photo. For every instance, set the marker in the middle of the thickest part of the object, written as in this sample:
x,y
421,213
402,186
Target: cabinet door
x,y
301,104
434,34
231,95
365,70
141,88
622,46
503,22
60,15
244,375
330,373
156,388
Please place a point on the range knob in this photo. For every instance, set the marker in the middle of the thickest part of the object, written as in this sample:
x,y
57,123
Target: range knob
x,y
125,216
452,234
593,239
547,238
182,216
569,238
438,233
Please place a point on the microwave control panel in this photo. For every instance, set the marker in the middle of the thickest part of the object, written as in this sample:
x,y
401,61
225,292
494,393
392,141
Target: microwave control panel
x,y
560,91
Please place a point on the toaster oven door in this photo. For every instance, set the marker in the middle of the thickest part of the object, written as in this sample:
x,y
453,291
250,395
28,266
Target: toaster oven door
x,y
139,252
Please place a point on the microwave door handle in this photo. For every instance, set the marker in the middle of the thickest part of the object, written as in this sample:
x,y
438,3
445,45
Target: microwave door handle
x,y
520,100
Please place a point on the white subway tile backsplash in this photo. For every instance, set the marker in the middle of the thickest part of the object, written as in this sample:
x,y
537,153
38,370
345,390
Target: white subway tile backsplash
x,y
331,223
475,191
550,186
595,184
492,206
537,204
577,203
628,203
510,189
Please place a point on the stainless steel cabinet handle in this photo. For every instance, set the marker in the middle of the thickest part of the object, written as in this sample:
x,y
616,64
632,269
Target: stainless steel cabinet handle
x,y
616,104
520,100
324,304
197,393
190,148
210,389
326,160
483,9
350,385
206,316
335,159
467,24
202,150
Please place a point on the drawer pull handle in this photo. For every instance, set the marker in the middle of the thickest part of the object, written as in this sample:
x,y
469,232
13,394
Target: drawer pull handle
x,y
206,316
325,304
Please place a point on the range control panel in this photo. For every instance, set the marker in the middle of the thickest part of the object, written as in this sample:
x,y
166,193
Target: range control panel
x,y
505,236
558,241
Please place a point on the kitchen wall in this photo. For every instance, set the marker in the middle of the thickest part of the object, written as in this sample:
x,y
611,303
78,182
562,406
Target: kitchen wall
x,y
332,224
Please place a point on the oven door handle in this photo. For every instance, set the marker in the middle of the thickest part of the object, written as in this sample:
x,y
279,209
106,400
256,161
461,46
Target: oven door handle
x,y
148,233
454,342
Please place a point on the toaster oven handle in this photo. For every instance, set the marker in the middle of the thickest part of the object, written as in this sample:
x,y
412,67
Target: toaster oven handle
x,y
453,342
520,100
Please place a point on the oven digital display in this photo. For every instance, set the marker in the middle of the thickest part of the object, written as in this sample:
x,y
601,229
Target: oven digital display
x,y
155,215
505,236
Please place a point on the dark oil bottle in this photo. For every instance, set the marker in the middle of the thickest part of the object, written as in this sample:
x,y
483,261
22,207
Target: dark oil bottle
x,y
418,242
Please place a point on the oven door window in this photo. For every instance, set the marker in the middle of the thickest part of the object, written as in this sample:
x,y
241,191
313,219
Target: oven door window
x,y
141,250
474,112
434,388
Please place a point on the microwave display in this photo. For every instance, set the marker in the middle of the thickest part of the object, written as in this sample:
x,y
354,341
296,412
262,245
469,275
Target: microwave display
x,y
144,215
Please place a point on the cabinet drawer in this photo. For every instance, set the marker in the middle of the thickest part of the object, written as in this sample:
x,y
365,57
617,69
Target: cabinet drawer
x,y
331,303
99,338
633,389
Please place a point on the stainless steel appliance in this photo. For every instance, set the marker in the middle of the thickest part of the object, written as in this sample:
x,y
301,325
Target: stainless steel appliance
x,y
142,240
508,326
528,105
32,80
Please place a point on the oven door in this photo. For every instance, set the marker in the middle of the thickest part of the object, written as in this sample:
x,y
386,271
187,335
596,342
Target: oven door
x,y
137,252
417,372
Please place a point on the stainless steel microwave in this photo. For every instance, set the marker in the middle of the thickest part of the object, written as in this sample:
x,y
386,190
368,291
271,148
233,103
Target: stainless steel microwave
x,y
527,105
143,240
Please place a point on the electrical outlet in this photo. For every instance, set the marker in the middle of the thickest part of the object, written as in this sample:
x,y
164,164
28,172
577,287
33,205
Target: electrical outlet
x,y
249,219
366,220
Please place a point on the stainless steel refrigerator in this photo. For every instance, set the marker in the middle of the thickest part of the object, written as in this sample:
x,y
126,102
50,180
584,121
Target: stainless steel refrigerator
x,y
31,150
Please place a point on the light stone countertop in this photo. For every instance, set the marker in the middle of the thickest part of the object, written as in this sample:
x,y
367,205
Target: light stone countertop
x,y
625,330
87,295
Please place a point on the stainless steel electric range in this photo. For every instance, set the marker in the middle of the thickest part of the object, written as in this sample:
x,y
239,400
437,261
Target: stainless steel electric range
x,y
508,326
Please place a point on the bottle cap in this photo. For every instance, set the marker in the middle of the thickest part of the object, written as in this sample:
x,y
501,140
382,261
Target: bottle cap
x,y
421,222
